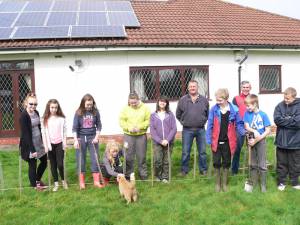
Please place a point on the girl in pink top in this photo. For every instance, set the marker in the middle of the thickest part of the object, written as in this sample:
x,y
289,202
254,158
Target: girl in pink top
x,y
54,139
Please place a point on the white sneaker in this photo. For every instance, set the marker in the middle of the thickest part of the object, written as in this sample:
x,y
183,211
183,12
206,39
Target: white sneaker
x,y
281,187
297,187
65,185
165,181
55,188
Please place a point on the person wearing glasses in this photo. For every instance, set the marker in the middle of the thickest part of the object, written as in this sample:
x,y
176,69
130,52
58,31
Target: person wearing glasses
x,y
31,144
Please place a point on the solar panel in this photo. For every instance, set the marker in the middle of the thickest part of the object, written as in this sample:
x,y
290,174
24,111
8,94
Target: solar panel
x,y
11,6
127,19
118,6
92,18
41,32
35,19
5,33
98,31
38,6
65,6
92,6
6,19
31,19
62,18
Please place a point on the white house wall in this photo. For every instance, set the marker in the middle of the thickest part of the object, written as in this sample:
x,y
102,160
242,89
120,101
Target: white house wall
x,y
105,75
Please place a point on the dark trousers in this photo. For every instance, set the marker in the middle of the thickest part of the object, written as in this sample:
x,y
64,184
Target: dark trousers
x,y
56,157
222,157
288,163
236,156
35,174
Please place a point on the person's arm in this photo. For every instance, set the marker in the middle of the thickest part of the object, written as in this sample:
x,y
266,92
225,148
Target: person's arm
x,y
146,121
123,120
153,131
234,102
44,138
25,124
286,121
109,168
240,124
210,123
258,138
173,130
98,127
75,128
179,111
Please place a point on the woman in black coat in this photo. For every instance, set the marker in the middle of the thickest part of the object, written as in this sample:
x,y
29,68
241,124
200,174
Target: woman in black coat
x,y
31,145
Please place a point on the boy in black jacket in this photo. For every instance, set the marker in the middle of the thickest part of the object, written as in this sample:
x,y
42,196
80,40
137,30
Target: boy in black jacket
x,y
287,120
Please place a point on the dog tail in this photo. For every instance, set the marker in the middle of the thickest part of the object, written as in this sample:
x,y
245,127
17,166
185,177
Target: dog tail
x,y
132,178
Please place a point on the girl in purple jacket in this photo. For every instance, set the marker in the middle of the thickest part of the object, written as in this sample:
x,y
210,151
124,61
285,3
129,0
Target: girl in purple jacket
x,y
163,130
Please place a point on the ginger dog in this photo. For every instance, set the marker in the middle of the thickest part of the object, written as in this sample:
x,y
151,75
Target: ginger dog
x,y
127,189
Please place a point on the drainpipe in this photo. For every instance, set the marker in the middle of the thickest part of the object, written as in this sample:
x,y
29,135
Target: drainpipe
x,y
240,68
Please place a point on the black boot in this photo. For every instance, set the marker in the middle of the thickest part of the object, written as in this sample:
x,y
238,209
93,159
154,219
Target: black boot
x,y
218,179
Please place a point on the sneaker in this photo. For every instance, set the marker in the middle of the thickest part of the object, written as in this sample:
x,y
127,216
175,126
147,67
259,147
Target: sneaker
x,y
165,181
297,187
281,187
55,188
65,185
41,185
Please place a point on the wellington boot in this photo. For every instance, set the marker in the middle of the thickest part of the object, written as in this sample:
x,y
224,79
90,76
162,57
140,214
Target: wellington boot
x,y
96,177
218,179
82,181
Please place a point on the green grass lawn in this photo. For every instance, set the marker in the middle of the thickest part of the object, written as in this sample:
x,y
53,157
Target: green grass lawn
x,y
184,201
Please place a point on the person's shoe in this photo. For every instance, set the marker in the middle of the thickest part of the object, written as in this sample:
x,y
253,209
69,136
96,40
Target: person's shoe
x,y
65,184
165,181
96,177
297,187
182,174
281,187
55,188
41,185
203,173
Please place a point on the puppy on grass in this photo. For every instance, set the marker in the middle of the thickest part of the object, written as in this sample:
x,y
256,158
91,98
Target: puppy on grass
x,y
127,188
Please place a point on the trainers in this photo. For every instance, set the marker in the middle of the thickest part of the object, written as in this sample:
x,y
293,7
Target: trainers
x,y
281,187
65,185
165,181
55,188
297,187
41,185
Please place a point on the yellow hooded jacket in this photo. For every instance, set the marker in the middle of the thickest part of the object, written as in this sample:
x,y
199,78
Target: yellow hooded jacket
x,y
135,117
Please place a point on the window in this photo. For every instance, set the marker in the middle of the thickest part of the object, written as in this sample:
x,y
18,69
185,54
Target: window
x,y
269,79
151,82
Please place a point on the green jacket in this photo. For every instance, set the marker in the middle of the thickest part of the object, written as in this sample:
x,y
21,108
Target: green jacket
x,y
139,118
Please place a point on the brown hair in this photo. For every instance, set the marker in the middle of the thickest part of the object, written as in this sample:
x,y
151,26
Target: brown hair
x,y
163,99
81,110
47,113
252,99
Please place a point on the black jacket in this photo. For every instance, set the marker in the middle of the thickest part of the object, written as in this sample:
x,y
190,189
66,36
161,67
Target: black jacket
x,y
192,115
26,144
287,120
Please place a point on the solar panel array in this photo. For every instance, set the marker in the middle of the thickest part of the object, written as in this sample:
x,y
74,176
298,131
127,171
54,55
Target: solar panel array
x,y
39,19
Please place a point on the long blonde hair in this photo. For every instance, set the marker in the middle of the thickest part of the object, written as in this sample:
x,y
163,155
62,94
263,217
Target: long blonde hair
x,y
111,147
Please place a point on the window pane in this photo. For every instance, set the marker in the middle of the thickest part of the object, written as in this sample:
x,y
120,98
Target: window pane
x,y
200,74
142,81
170,83
270,79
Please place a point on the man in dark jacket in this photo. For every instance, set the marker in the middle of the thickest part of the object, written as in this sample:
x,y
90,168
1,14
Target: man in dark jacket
x,y
287,120
192,112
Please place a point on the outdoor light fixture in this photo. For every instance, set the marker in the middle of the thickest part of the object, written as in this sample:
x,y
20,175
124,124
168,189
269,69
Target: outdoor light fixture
x,y
78,64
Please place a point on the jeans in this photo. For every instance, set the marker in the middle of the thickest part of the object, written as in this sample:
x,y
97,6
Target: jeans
x,y
86,142
236,156
188,136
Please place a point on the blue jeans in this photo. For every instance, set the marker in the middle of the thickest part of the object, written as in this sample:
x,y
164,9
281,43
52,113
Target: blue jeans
x,y
188,136
236,157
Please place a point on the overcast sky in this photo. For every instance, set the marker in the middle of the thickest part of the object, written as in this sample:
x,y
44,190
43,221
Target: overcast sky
x,y
289,8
